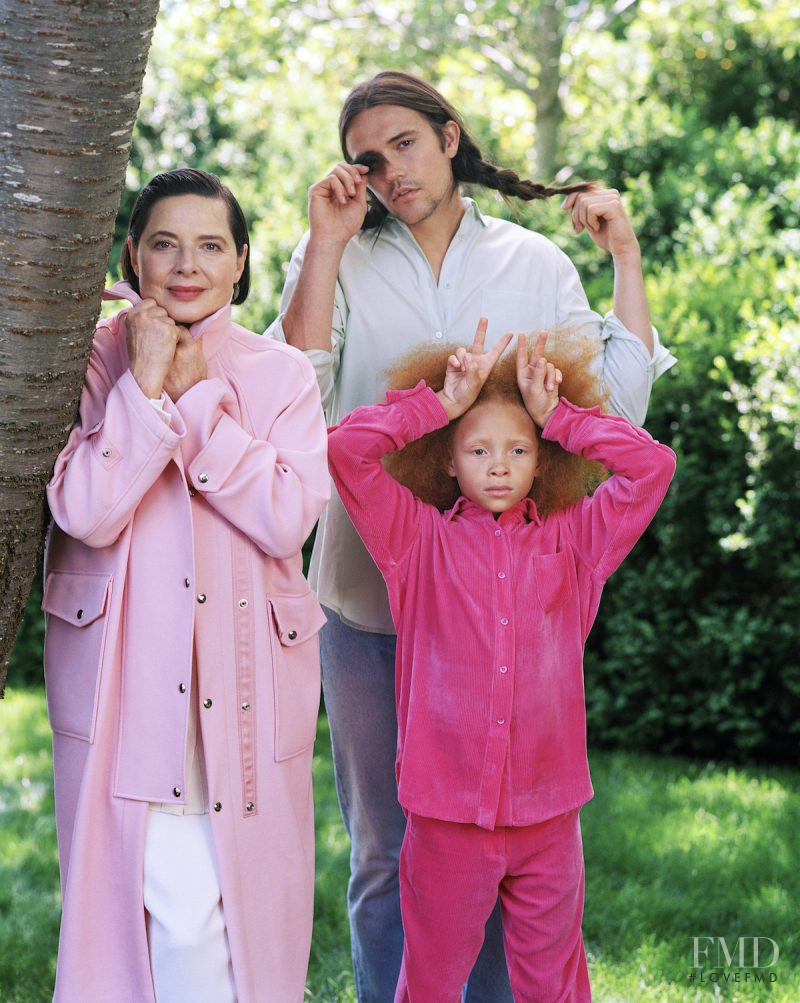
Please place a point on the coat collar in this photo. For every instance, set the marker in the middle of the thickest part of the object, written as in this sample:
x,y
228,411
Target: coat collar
x,y
213,329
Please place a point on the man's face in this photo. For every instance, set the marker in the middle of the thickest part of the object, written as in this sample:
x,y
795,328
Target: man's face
x,y
410,164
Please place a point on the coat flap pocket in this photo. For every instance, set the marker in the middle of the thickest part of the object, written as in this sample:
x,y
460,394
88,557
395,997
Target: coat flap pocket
x,y
75,596
297,618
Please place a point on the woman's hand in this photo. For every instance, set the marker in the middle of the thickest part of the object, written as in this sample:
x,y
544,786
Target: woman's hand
x,y
468,370
537,379
188,366
151,336
337,204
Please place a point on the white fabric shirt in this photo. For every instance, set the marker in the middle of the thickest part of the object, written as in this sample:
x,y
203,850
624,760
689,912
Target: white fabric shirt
x,y
387,301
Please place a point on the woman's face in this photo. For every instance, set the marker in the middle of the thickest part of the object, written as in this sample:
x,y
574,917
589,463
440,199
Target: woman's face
x,y
186,257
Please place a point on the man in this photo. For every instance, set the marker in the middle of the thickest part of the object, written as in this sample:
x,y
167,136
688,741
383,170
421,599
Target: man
x,y
396,256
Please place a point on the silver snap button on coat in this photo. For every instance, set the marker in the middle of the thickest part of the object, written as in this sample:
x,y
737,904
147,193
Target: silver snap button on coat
x,y
207,702
176,791
292,635
203,478
217,806
201,597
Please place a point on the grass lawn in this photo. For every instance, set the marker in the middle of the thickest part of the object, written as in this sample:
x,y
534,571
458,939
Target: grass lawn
x,y
674,850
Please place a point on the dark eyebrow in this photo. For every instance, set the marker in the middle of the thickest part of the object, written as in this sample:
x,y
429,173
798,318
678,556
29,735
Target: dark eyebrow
x,y
174,236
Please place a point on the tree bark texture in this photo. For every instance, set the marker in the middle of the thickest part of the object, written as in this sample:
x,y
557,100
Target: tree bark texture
x,y
71,76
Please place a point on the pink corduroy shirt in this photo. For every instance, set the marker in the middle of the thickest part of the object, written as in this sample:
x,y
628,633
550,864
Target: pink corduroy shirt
x,y
492,614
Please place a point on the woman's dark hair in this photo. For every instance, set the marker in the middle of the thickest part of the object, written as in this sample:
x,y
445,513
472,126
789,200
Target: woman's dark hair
x,y
395,87
187,181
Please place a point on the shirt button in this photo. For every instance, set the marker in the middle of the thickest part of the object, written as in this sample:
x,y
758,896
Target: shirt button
x,y
203,478
217,806
207,702
501,720
201,597
438,335
186,582
504,669
497,532
181,687
192,492
176,791
501,574
504,620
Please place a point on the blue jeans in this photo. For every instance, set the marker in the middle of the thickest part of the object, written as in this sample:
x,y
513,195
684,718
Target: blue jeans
x,y
358,684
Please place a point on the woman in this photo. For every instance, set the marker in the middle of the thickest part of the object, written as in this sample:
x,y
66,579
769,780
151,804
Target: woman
x,y
181,657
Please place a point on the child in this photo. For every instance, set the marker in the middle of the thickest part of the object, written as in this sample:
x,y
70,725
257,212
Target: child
x,y
493,600
181,657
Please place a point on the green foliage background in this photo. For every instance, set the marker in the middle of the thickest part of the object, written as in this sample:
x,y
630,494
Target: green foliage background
x,y
692,109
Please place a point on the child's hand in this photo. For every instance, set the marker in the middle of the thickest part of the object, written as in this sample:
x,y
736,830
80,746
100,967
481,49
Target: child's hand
x,y
468,370
537,379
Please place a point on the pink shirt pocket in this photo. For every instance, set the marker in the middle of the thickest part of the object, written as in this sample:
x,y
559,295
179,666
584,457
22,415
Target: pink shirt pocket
x,y
76,608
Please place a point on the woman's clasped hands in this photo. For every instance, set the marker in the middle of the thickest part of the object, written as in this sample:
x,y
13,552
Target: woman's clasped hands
x,y
163,355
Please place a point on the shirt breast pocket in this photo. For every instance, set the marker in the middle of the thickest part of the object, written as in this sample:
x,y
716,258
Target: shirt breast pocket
x,y
553,582
76,622
513,311
296,621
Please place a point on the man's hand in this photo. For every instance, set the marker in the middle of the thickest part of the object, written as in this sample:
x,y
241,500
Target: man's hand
x,y
337,204
537,379
151,336
468,370
601,213
188,366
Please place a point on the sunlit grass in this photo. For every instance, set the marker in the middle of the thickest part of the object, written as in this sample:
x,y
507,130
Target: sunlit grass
x,y
674,850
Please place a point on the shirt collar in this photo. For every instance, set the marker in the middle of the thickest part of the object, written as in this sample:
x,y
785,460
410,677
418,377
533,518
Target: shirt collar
x,y
212,329
524,511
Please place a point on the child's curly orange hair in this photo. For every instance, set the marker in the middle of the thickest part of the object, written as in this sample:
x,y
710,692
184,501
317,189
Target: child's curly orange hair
x,y
563,477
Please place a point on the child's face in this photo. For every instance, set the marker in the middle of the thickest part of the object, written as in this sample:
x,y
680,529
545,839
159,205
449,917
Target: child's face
x,y
495,455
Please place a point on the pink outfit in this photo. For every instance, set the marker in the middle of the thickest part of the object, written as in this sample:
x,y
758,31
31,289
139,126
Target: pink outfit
x,y
449,869
169,540
492,615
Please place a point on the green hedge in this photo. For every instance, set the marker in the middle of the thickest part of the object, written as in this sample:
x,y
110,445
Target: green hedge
x,y
697,646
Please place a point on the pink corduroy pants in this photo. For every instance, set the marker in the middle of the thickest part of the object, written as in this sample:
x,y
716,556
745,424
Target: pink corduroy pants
x,y
450,876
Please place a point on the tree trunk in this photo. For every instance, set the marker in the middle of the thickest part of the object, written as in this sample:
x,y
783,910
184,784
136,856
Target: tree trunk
x,y
70,80
549,42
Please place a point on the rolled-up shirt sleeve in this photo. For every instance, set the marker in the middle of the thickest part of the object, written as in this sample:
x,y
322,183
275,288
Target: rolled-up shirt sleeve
x,y
629,369
325,364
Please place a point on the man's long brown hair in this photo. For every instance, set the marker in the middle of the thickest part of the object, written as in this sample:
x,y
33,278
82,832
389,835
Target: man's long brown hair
x,y
469,167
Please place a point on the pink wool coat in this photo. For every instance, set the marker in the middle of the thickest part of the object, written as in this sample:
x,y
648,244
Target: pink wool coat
x,y
169,540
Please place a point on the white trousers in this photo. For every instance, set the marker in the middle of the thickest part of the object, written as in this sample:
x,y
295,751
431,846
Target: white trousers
x,y
189,953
